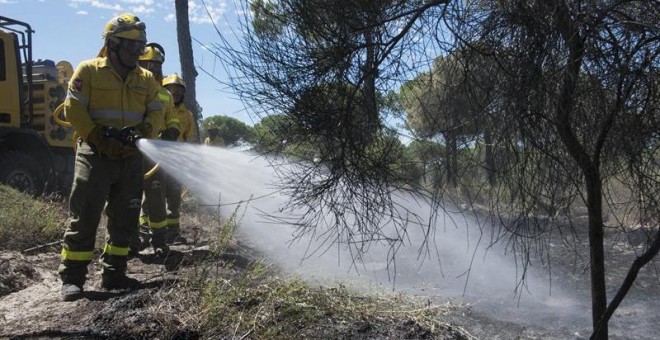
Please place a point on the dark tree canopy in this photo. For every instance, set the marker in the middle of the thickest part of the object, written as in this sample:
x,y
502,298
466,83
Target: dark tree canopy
x,y
529,108
231,129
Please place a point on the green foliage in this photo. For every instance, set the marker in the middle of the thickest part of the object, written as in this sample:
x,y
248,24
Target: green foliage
x,y
428,156
266,21
270,134
26,222
227,231
383,152
453,101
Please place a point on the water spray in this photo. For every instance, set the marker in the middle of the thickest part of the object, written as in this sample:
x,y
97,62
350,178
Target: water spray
x,y
253,182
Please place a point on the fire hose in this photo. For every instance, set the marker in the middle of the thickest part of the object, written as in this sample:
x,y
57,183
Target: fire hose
x,y
127,135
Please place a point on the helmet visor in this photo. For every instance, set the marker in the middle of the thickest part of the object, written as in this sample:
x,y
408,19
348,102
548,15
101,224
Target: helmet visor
x,y
134,31
140,26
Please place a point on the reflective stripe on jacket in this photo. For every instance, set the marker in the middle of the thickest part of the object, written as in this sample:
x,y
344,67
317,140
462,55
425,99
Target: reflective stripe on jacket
x,y
97,95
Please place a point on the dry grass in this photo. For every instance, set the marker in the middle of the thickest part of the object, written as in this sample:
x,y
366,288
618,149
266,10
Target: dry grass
x,y
208,296
26,222
261,305
220,300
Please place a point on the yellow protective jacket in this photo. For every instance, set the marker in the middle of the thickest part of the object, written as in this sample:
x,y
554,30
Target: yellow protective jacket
x,y
186,124
169,111
98,96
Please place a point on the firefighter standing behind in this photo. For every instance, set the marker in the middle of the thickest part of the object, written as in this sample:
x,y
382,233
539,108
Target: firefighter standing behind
x,y
177,87
214,138
154,213
105,94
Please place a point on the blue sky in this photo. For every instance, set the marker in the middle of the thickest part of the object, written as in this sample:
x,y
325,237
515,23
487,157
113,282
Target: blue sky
x,y
71,30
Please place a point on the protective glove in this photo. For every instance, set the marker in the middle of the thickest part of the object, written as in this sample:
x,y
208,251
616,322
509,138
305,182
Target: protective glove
x,y
130,136
170,134
145,129
106,146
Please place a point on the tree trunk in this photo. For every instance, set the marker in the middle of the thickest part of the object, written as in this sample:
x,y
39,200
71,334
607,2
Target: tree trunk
x,y
597,254
187,60
370,70
452,160
490,159
642,260
589,164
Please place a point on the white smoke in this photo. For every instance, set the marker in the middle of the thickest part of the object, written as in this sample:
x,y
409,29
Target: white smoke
x,y
454,264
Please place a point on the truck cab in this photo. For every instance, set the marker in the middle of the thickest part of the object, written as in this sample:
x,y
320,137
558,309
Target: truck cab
x,y
36,153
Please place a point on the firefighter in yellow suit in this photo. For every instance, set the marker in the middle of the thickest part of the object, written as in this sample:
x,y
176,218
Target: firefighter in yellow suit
x,y
105,94
177,87
214,138
154,212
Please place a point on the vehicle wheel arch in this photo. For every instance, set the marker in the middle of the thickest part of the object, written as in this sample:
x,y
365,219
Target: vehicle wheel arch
x,y
16,145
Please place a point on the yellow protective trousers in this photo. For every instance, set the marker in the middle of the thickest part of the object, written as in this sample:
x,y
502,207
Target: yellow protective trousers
x,y
99,183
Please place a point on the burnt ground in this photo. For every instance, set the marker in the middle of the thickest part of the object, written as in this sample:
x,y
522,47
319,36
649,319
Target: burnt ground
x,y
566,257
30,306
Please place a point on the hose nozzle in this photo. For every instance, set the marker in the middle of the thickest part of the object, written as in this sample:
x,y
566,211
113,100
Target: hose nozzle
x,y
128,135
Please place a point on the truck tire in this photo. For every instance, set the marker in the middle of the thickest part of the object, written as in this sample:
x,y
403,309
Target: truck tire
x,y
22,172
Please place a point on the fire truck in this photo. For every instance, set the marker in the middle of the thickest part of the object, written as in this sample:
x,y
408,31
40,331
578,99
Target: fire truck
x,y
36,153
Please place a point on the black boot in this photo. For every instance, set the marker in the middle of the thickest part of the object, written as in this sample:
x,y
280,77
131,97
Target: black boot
x,y
72,286
71,291
139,241
159,242
110,281
174,236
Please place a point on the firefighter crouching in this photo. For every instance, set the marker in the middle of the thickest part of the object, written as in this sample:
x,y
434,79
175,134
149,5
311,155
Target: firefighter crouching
x,y
177,87
105,94
154,213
